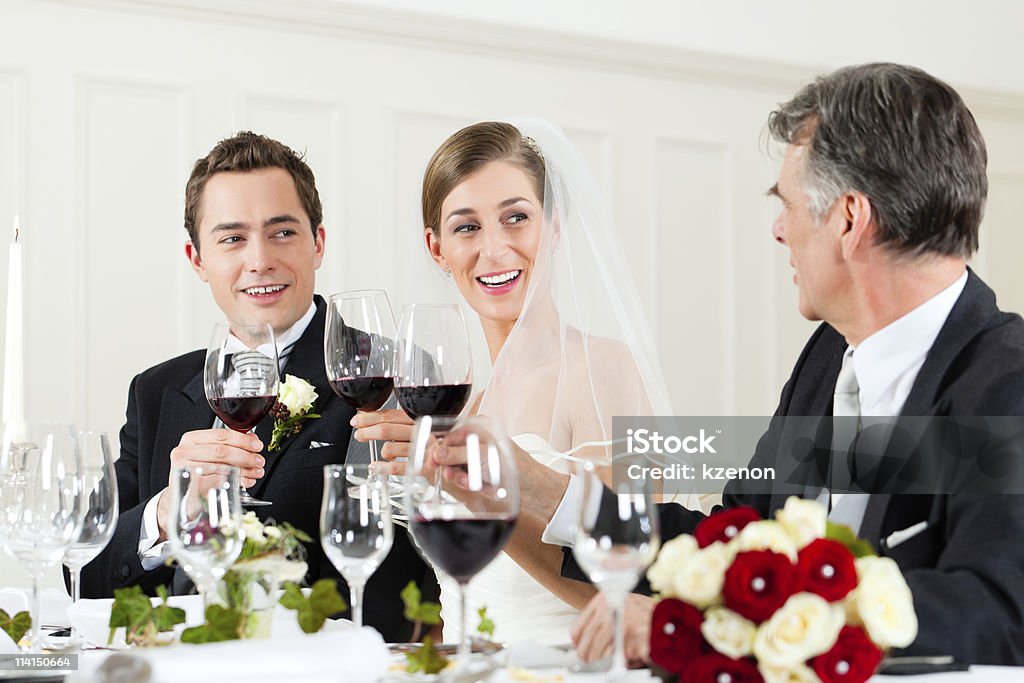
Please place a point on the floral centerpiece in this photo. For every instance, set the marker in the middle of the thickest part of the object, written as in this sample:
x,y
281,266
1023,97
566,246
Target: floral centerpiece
x,y
272,554
790,599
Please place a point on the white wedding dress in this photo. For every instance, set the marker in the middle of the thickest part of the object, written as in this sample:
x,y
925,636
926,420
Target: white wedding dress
x,y
520,607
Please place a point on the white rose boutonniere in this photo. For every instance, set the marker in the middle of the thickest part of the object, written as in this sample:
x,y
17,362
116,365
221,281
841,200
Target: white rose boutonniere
x,y
294,402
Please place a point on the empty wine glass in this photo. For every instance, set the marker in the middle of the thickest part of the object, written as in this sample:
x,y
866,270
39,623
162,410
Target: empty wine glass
x,y
241,379
100,510
617,538
44,515
462,523
359,349
205,530
434,373
356,530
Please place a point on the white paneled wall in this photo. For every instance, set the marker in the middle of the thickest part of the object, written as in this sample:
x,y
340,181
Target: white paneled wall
x,y
105,105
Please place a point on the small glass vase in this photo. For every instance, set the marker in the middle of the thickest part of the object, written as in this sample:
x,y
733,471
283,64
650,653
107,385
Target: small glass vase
x,y
254,595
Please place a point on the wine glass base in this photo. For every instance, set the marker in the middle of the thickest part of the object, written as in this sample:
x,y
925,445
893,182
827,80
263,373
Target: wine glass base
x,y
248,501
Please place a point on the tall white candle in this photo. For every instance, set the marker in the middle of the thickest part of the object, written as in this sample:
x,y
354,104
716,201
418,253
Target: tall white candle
x,y
14,339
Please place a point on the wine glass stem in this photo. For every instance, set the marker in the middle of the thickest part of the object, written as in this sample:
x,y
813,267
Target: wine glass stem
x,y
37,626
616,601
464,648
75,578
356,593
373,451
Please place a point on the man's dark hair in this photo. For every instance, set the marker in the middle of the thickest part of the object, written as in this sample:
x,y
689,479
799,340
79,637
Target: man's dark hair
x,y
904,139
248,151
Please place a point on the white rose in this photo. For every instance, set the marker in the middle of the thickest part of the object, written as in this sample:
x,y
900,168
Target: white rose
x,y
670,560
700,578
766,535
272,532
252,527
806,626
728,632
297,394
882,602
798,673
803,519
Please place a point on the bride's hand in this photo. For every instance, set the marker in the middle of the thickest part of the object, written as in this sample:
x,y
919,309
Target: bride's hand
x,y
393,427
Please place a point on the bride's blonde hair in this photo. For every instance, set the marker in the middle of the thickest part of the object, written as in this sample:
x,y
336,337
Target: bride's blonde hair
x,y
466,152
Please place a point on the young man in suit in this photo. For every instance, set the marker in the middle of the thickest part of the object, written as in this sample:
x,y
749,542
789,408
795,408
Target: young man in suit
x,y
255,235
883,187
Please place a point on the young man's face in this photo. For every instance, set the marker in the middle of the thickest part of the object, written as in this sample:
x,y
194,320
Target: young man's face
x,y
256,248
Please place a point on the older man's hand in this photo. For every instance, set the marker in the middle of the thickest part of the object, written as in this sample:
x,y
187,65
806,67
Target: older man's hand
x,y
593,631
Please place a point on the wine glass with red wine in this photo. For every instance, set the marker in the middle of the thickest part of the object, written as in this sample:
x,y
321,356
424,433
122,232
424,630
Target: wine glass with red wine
x,y
434,373
241,379
359,350
462,511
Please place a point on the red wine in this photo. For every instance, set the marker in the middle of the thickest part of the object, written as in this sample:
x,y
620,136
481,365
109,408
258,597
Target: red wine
x,y
364,393
242,413
439,399
462,547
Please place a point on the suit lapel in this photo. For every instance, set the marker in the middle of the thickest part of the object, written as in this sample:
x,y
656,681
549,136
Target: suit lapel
x,y
306,361
970,314
181,411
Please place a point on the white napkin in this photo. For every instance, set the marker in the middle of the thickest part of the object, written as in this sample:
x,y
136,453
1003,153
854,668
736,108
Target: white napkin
x,y
528,654
351,655
53,604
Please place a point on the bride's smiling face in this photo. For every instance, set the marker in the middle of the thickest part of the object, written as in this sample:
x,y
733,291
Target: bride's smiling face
x,y
488,236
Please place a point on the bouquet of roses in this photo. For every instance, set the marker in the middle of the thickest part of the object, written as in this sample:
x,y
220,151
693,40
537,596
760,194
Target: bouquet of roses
x,y
790,599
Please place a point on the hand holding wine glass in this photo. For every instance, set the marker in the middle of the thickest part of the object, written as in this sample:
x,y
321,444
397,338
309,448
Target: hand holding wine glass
x,y
241,379
461,525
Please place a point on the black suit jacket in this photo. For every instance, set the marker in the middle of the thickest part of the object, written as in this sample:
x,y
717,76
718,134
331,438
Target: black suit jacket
x,y
168,400
966,569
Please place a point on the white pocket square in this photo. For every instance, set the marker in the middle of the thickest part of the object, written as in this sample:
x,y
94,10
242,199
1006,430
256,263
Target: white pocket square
x,y
904,535
319,444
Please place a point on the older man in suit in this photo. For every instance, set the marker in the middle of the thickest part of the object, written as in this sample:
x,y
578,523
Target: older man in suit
x,y
253,218
883,187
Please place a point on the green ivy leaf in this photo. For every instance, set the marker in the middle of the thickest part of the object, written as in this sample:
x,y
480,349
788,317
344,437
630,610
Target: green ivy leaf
x,y
293,597
840,533
415,610
132,610
221,624
426,659
17,626
486,626
323,601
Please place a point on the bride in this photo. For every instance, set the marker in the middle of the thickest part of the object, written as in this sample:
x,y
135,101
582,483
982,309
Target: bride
x,y
513,215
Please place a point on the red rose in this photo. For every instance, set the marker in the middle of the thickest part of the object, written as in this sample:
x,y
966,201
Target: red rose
x,y
715,667
675,634
724,526
758,583
853,659
826,568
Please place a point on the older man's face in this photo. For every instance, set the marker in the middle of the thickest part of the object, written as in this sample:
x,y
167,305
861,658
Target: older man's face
x,y
814,250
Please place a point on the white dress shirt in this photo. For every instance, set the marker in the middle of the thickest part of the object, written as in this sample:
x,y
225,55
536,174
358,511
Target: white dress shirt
x,y
886,364
153,554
